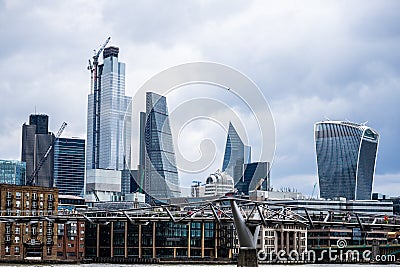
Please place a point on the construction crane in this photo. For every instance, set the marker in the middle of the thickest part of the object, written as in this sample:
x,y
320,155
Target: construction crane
x,y
93,67
95,89
312,194
32,178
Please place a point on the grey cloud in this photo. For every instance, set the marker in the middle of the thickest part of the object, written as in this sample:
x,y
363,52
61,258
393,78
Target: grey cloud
x,y
333,59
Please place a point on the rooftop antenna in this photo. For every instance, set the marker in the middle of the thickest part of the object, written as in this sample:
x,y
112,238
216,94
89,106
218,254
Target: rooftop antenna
x,y
326,118
364,123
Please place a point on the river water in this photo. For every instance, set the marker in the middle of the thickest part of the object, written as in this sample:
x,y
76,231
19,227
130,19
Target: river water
x,y
181,265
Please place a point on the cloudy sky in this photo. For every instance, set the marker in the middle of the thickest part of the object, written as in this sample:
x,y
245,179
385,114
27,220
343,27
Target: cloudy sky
x,y
312,60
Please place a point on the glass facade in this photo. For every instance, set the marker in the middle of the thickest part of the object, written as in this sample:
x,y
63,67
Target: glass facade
x,y
69,166
346,155
109,142
160,172
12,172
162,239
236,154
255,176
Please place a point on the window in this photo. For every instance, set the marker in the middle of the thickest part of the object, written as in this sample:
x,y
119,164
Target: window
x,y
18,195
16,239
27,204
8,229
82,225
8,238
70,245
27,195
50,206
41,205
26,230
41,197
17,230
16,250
49,231
50,196
9,195
18,204
34,204
48,250
34,196
7,249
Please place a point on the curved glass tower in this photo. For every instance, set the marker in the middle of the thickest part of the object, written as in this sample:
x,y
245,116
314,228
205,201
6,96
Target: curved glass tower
x,y
346,157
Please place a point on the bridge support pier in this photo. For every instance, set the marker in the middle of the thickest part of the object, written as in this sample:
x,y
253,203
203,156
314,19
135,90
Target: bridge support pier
x,y
247,235
247,257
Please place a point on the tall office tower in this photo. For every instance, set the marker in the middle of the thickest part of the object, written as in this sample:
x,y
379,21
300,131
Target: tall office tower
x,y
108,126
346,157
236,154
160,173
255,177
69,166
12,172
109,117
36,140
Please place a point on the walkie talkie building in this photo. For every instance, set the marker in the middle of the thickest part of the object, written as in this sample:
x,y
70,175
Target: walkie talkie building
x,y
346,157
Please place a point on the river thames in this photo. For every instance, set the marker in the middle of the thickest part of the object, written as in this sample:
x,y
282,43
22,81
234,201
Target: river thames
x,y
177,265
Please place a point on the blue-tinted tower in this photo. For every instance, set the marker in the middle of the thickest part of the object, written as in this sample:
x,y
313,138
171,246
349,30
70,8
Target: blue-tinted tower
x,y
236,154
69,166
256,176
160,173
346,156
12,172
109,117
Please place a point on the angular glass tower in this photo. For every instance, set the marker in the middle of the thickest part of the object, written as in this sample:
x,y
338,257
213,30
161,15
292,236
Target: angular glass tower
x,y
69,166
256,176
346,157
157,151
236,154
109,117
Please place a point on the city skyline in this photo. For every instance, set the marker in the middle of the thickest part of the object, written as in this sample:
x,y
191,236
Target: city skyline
x,y
334,60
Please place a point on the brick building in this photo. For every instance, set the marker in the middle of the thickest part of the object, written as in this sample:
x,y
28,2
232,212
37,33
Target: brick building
x,y
24,231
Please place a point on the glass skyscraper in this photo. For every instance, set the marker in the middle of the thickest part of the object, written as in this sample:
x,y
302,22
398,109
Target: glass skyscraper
x,y
108,147
109,117
69,166
346,156
36,140
160,173
255,177
12,172
236,154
